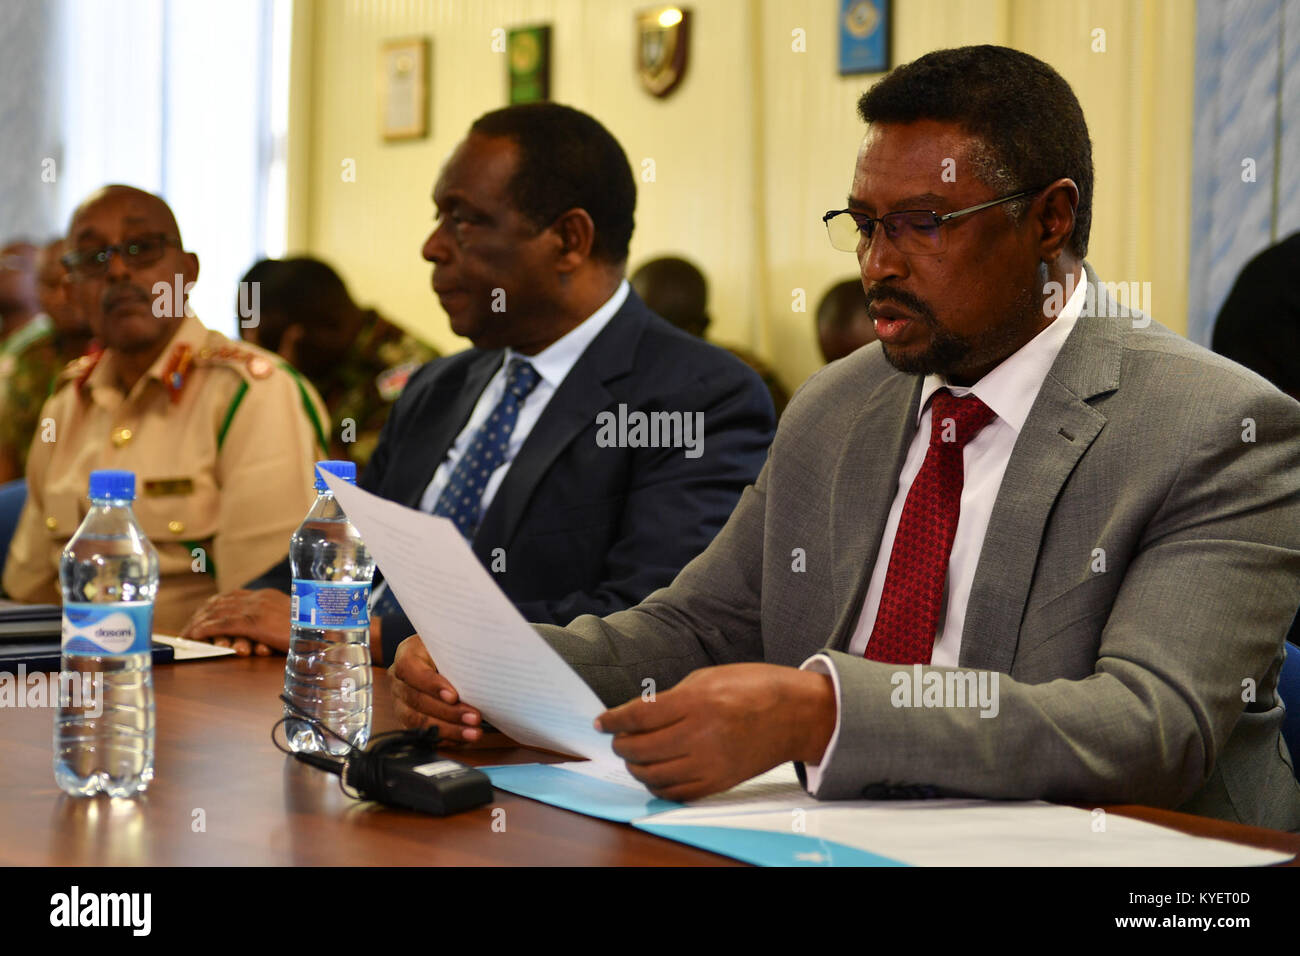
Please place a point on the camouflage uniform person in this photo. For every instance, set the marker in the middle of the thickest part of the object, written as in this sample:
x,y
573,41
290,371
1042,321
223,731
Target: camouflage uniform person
x,y
369,379
32,358
27,372
301,309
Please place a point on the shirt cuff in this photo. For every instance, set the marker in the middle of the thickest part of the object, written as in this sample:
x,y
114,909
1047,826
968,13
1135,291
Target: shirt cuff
x,y
821,664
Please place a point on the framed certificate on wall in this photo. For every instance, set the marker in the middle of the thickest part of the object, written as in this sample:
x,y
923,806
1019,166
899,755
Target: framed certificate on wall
x,y
404,89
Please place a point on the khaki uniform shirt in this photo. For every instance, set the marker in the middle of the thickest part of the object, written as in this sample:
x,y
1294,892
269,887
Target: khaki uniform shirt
x,y
222,439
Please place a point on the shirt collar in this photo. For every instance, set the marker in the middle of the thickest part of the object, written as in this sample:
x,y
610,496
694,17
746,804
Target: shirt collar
x,y
1011,387
190,332
554,362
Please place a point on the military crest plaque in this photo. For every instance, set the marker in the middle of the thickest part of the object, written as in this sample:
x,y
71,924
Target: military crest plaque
x,y
662,45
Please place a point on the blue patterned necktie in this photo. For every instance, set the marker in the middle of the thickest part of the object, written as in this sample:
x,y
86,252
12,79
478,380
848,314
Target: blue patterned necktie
x,y
462,499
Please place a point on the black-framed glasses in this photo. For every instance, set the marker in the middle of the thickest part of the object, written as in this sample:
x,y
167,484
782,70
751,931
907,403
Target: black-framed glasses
x,y
914,232
137,252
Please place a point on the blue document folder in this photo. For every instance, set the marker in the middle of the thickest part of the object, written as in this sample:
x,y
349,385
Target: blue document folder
x,y
577,792
610,801
764,848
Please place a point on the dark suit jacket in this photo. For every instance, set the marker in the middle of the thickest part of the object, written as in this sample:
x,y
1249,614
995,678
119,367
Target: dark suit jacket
x,y
585,529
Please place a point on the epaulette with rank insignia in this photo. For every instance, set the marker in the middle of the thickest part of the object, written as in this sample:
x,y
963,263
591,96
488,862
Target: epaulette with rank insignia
x,y
78,370
249,365
257,366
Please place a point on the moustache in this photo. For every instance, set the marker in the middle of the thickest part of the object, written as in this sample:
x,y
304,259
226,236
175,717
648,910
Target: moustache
x,y
883,294
115,297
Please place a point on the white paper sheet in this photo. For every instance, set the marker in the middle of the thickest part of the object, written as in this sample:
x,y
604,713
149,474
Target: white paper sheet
x,y
493,658
186,650
611,771
960,832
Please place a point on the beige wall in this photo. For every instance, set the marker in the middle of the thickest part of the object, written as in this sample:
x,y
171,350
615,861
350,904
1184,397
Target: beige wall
x,y
748,153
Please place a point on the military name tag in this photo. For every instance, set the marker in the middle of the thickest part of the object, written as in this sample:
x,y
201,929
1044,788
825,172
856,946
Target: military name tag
x,y
163,487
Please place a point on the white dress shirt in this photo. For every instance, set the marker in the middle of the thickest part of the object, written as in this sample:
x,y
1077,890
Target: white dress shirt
x,y
1009,390
553,363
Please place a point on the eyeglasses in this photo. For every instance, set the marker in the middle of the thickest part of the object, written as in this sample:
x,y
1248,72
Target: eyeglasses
x,y
914,232
137,252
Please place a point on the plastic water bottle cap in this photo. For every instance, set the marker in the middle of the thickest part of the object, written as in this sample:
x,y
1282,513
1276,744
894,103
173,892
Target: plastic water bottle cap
x,y
347,470
112,484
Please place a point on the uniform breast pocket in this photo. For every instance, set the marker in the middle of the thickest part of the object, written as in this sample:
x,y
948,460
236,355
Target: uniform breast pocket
x,y
172,509
62,514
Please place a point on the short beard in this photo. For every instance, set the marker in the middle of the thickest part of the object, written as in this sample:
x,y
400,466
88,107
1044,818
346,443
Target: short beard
x,y
955,356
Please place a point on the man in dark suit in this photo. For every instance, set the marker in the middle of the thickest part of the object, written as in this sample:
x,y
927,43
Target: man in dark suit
x,y
1026,546
585,447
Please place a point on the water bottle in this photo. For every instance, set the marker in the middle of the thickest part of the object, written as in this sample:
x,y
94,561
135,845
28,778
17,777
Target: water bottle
x,y
104,726
327,674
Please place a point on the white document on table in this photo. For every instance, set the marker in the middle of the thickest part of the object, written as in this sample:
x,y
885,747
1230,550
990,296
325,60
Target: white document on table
x,y
491,655
947,832
186,650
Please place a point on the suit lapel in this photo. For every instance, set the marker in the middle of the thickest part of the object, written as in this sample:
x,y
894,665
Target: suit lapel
x,y
1060,428
437,430
572,408
863,488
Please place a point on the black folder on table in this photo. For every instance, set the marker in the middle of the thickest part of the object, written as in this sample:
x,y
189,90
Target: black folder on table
x,y
32,635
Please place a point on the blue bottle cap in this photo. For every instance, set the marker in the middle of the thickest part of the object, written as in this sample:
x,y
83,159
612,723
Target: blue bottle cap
x,y
347,470
109,483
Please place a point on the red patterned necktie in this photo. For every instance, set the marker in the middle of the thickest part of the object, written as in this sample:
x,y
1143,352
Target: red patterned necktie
x,y
918,564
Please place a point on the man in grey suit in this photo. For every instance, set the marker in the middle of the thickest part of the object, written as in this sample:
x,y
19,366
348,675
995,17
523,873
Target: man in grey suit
x,y
1021,548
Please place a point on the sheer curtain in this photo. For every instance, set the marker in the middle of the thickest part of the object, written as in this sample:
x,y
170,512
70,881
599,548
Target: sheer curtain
x,y
30,154
1246,180
189,100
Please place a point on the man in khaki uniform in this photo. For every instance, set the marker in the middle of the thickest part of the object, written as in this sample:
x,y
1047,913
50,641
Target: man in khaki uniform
x,y
222,437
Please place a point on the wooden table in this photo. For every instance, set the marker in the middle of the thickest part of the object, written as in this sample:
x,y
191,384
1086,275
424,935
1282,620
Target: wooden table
x,y
224,795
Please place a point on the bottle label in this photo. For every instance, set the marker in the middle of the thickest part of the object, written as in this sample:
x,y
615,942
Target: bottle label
x,y
99,629
330,604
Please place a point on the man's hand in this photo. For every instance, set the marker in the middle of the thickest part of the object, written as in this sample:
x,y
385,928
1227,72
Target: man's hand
x,y
723,725
423,697
252,622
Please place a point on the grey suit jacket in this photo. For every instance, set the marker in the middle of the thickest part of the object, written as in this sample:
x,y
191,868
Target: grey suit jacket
x,y
1152,681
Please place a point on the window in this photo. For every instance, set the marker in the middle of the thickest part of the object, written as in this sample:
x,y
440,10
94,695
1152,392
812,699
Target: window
x,y
188,100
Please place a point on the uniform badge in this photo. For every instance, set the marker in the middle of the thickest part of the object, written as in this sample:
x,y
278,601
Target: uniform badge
x,y
390,382
176,369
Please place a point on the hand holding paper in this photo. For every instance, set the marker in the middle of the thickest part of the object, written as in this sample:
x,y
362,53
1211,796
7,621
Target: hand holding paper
x,y
482,645
722,725
423,697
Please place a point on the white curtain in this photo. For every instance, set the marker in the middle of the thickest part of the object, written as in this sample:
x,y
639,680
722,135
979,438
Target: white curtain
x,y
185,99
1246,180
30,151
